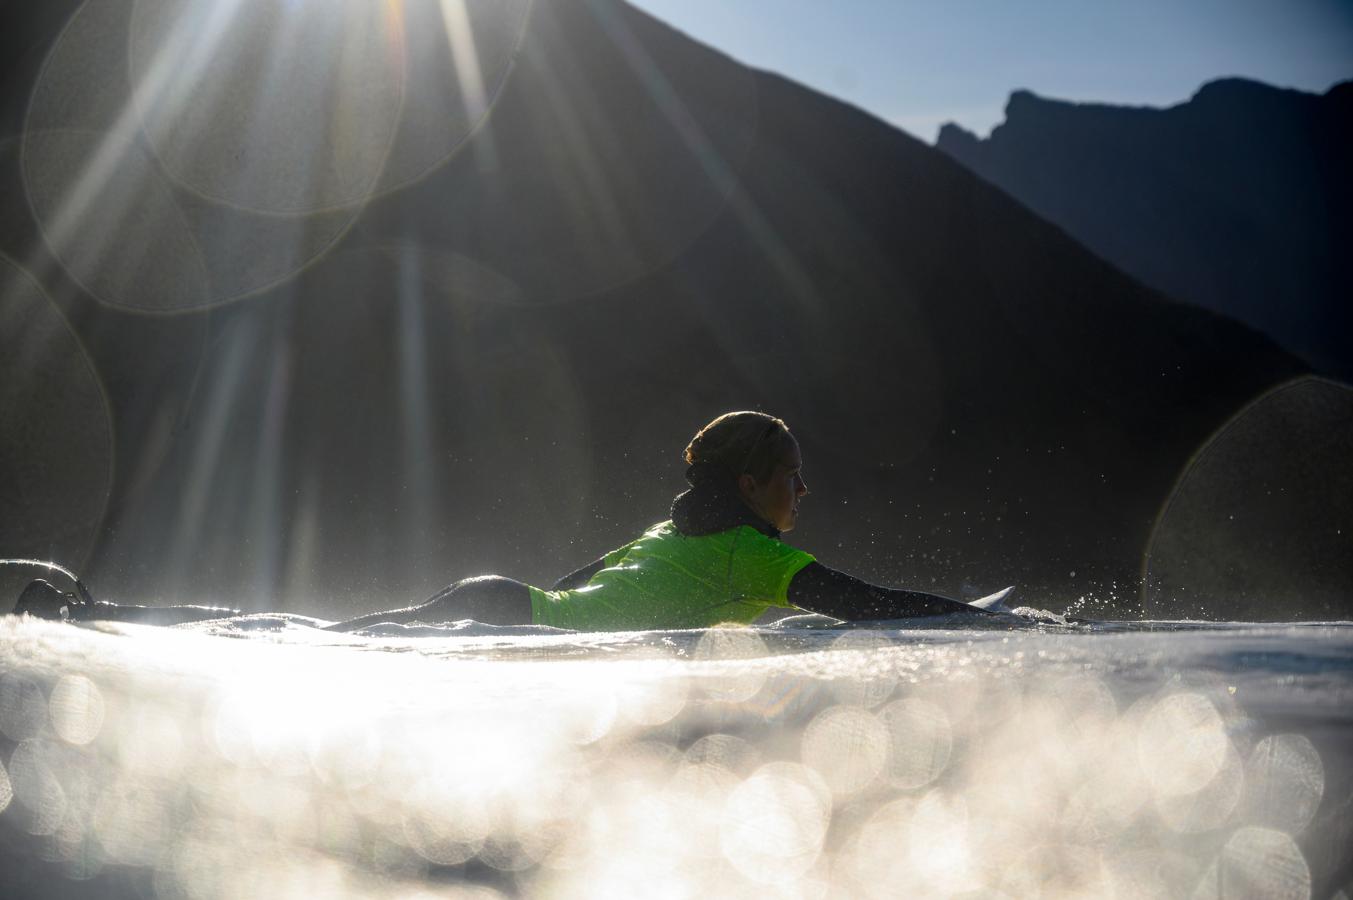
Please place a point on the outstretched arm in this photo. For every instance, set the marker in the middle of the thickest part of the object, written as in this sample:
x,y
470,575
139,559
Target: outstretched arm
x,y
42,600
818,589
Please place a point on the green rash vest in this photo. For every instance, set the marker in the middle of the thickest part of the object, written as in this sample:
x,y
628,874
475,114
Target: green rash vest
x,y
670,580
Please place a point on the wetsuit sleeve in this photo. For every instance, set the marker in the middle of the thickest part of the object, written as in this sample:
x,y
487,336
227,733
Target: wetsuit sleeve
x,y
580,577
816,588
148,615
574,580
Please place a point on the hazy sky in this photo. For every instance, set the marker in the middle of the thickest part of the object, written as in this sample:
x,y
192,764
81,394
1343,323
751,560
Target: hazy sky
x,y
920,63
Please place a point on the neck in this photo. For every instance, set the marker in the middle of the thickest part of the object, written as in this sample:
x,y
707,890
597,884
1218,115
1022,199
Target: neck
x,y
714,505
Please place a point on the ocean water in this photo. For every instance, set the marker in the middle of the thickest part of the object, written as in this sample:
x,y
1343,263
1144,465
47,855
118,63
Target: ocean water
x,y
261,757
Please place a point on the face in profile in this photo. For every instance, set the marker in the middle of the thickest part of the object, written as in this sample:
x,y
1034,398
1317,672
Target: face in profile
x,y
777,499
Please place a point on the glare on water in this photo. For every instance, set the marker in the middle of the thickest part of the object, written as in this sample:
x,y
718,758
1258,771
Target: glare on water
x,y
295,763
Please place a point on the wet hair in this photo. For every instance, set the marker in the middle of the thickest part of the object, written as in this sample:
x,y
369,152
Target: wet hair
x,y
738,442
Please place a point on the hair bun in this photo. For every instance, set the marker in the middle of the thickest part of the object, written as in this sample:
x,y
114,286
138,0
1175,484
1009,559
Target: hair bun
x,y
707,473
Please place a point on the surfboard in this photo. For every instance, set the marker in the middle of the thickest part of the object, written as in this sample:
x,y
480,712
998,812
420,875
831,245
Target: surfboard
x,y
994,602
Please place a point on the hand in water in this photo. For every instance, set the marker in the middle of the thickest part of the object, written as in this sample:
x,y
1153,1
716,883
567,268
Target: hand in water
x,y
42,600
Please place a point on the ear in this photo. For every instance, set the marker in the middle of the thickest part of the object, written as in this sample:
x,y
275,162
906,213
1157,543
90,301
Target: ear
x,y
746,484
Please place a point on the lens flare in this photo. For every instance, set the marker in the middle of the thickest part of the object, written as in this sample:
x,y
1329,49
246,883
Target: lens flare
x,y
6,788
731,683
941,844
1257,862
1152,874
774,823
444,829
216,84
1210,806
698,794
652,702
23,708
294,762
873,678
183,153
77,709
847,746
724,751
1284,783
133,822
1182,744
36,788
920,741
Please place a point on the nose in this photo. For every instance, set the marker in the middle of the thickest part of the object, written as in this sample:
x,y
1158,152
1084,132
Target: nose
x,y
800,486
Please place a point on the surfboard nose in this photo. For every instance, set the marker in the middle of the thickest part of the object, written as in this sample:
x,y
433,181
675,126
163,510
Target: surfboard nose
x,y
994,602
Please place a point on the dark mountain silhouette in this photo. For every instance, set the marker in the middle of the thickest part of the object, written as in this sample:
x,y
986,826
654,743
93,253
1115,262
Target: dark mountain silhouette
x,y
1239,200
494,368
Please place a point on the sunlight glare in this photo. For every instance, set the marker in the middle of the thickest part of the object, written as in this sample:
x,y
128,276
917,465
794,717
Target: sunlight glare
x,y
23,708
298,760
940,843
464,57
1210,807
244,74
1284,783
920,742
1257,863
6,789
774,823
76,709
36,787
730,683
1182,744
847,746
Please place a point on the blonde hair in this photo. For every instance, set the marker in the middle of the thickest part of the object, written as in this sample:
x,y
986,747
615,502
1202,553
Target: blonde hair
x,y
738,442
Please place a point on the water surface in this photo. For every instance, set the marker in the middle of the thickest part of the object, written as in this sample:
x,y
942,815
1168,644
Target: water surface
x,y
264,757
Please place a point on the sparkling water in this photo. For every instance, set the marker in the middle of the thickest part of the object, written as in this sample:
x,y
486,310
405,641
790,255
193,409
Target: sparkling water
x,y
261,757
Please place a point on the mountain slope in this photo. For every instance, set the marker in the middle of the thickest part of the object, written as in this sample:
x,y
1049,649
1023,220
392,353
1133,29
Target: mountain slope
x,y
1239,200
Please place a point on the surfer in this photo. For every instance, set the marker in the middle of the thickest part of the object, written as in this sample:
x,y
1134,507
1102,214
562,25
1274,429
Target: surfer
x,y
718,559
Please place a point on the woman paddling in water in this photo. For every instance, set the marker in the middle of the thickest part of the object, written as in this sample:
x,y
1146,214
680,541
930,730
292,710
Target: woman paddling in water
x,y
718,559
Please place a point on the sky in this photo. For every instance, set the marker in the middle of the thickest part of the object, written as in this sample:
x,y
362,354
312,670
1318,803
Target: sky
x,y
921,63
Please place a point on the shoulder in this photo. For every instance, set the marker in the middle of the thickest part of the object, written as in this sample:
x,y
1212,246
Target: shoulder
x,y
751,540
656,536
756,536
662,529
